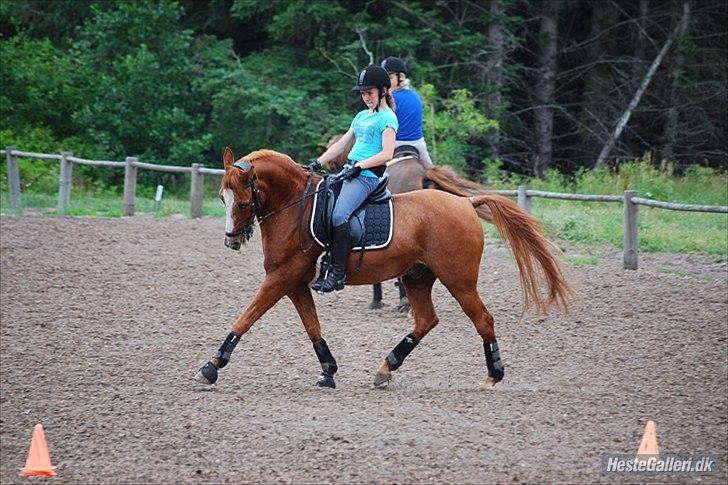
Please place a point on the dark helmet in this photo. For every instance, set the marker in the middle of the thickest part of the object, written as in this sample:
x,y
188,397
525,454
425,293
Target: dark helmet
x,y
394,64
372,77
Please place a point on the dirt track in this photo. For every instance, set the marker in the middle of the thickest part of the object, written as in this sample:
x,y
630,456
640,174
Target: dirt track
x,y
104,323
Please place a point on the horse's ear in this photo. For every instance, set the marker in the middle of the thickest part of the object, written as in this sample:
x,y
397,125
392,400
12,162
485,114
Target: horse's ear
x,y
228,158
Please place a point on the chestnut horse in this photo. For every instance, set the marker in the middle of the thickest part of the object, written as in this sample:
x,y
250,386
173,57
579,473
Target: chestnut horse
x,y
405,175
272,188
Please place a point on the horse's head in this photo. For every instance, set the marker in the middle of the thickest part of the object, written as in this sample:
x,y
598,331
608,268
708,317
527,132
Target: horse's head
x,y
237,192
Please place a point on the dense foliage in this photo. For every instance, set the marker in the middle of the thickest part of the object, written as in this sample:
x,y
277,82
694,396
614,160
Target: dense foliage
x,y
174,81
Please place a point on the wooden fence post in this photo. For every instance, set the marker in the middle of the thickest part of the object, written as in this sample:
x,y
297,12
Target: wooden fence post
x,y
196,191
13,178
130,181
64,182
524,200
630,256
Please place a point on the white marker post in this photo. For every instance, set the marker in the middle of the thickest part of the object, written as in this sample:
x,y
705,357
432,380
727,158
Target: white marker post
x,y
158,198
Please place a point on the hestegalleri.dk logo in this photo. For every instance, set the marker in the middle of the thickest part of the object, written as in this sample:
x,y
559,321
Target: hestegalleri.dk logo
x,y
665,463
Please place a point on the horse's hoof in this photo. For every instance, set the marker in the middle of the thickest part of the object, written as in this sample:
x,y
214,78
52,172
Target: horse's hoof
x,y
326,380
404,306
207,374
376,305
489,384
382,379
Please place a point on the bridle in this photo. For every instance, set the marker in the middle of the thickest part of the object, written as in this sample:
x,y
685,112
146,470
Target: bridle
x,y
247,230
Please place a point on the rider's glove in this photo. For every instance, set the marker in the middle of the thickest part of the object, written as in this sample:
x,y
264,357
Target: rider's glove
x,y
349,173
315,166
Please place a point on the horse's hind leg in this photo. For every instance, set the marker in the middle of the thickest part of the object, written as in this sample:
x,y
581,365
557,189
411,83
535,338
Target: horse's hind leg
x,y
475,309
404,305
376,297
302,300
419,291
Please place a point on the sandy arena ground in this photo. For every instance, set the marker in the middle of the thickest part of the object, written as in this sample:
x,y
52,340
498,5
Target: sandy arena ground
x,y
104,322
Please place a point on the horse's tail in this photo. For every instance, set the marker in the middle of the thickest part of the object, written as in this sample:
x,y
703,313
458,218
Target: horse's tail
x,y
444,178
522,232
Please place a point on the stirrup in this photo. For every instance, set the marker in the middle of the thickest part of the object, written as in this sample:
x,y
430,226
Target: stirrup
x,y
332,282
316,285
323,272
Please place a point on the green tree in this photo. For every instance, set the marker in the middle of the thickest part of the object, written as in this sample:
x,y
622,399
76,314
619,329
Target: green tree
x,y
144,98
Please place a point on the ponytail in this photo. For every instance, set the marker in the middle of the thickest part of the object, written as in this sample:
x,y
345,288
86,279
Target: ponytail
x,y
390,101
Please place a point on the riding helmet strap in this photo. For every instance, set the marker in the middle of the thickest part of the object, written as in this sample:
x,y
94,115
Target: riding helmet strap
x,y
493,360
328,363
402,350
226,349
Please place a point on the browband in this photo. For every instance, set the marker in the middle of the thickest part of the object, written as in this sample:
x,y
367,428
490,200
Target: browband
x,y
243,165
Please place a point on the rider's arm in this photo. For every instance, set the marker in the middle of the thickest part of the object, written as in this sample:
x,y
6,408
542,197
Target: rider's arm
x,y
388,136
335,150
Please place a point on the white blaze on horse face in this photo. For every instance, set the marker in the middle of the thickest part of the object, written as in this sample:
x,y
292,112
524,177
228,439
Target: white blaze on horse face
x,y
229,198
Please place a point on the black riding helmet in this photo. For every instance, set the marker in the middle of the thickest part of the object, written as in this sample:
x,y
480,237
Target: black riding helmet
x,y
394,64
373,77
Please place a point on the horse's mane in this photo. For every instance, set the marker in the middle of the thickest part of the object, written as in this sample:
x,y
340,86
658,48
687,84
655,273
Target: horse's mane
x,y
269,156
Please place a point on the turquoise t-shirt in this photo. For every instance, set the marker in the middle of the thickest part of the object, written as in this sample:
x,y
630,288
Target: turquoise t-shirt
x,y
368,130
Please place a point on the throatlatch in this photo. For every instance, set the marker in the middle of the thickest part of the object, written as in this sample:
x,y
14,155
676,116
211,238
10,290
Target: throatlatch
x,y
493,360
402,350
226,349
328,363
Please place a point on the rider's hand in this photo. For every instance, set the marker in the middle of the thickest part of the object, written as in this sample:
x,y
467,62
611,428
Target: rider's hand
x,y
349,173
315,166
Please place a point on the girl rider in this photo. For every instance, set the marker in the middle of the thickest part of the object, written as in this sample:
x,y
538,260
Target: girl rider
x,y
374,131
409,109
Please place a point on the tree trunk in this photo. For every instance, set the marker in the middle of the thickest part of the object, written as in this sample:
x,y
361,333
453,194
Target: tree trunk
x,y
673,114
598,103
640,49
641,90
548,35
496,39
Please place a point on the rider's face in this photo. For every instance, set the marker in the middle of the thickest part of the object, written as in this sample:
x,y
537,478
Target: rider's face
x,y
394,79
370,97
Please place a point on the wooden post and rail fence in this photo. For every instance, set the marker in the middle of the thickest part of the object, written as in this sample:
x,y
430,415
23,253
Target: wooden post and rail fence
x,y
131,165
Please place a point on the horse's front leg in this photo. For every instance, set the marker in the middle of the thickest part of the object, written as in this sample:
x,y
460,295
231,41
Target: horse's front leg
x,y
273,289
303,301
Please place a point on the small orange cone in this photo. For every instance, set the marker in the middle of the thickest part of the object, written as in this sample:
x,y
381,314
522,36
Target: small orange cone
x,y
39,460
648,446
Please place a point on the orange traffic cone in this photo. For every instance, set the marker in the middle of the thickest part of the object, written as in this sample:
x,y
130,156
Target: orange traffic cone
x,y
648,446
39,460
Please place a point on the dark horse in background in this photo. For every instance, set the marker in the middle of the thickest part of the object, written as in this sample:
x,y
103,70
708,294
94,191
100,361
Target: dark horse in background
x,y
407,172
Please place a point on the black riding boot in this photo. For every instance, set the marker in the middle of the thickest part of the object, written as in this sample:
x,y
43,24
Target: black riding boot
x,y
316,286
339,254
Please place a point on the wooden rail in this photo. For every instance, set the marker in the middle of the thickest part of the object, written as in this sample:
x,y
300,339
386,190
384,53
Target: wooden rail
x,y
131,165
630,240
